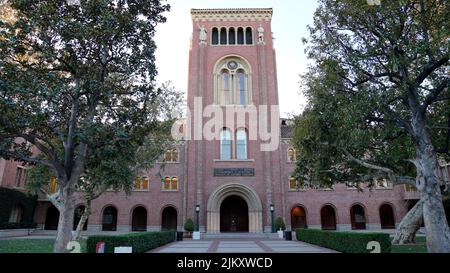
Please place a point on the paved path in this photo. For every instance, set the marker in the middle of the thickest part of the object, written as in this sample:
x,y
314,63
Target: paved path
x,y
241,246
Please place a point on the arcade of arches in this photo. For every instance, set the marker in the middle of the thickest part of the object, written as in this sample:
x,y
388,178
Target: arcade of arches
x,y
231,208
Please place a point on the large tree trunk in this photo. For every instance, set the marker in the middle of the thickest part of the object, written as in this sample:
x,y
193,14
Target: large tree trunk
x,y
438,232
66,212
410,224
87,211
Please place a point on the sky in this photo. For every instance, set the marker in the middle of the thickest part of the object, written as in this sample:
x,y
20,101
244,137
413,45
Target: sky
x,y
289,25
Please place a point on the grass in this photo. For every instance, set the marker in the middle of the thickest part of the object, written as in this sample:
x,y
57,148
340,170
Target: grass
x,y
31,246
419,247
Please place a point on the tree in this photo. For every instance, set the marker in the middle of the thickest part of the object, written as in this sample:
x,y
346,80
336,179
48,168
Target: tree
x,y
84,90
379,100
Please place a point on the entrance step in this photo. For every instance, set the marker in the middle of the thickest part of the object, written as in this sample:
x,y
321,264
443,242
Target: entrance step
x,y
239,235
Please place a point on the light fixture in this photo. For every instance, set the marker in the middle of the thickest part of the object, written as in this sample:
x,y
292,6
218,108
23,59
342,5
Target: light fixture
x,y
271,207
197,208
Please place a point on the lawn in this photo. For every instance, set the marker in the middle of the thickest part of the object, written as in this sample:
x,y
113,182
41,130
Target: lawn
x,y
419,247
31,246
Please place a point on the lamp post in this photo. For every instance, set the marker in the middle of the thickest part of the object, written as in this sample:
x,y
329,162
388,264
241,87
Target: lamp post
x,y
197,211
271,216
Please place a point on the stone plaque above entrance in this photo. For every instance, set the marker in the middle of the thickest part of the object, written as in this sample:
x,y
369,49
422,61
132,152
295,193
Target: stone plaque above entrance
x,y
234,172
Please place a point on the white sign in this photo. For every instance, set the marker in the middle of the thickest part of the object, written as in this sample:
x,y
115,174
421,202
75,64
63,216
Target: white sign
x,y
123,249
196,235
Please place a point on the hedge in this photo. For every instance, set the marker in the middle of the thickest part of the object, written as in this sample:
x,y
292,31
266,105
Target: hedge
x,y
10,198
347,242
140,241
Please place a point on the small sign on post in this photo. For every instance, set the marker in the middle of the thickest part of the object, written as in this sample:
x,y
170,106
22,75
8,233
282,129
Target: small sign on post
x,y
196,235
123,249
100,247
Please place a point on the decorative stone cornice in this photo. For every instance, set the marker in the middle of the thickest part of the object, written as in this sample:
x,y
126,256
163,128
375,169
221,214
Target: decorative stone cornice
x,y
223,15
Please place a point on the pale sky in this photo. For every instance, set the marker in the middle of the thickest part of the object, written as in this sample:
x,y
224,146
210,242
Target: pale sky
x,y
290,18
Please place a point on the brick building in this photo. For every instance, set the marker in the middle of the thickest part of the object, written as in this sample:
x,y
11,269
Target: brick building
x,y
234,184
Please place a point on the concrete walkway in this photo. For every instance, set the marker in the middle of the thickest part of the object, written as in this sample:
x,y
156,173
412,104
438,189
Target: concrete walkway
x,y
241,246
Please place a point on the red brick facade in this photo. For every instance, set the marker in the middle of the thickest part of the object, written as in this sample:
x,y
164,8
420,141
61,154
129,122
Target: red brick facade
x,y
197,160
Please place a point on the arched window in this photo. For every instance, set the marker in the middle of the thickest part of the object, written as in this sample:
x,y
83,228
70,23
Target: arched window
x,y
298,217
358,217
168,156
16,214
292,183
292,156
225,144
139,219
169,219
79,211
387,217
248,36
232,82
215,36
231,36
174,184
240,36
51,218
175,155
225,88
223,36
241,144
166,183
241,87
328,218
109,222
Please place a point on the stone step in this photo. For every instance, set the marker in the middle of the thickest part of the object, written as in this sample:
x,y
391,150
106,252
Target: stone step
x,y
239,235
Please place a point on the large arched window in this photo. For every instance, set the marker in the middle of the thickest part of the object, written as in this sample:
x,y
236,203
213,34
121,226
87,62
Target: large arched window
x,y
225,144
241,144
232,82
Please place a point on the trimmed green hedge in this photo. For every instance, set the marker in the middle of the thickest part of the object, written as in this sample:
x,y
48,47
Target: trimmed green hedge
x,y
347,242
9,198
140,241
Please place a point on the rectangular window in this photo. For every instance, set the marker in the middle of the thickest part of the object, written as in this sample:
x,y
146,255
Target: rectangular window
x,y
21,176
53,185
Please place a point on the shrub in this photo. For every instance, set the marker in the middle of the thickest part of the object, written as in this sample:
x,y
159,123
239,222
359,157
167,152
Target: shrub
x,y
9,198
279,224
347,242
140,241
22,225
189,225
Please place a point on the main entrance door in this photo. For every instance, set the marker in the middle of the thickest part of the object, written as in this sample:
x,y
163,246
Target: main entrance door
x,y
234,215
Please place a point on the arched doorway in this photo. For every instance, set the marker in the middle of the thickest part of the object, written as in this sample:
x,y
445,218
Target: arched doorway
x,y
233,215
52,218
169,219
328,217
109,221
251,198
139,220
358,217
387,219
77,217
298,217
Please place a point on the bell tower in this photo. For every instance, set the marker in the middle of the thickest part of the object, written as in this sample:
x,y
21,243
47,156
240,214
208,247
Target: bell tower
x,y
232,69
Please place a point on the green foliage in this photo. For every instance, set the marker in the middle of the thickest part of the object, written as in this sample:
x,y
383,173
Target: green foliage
x,y
370,77
346,242
189,225
10,198
140,242
279,224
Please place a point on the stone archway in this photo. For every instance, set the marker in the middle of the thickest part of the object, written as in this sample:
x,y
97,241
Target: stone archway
x,y
234,189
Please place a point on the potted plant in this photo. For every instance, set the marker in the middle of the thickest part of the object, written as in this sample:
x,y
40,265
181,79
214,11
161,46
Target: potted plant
x,y
280,227
189,227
